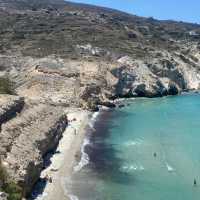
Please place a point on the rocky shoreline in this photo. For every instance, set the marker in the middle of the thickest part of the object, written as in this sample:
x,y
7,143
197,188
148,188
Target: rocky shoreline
x,y
63,161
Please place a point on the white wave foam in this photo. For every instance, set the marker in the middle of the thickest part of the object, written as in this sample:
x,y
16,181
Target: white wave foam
x,y
93,119
40,197
169,168
73,197
84,156
94,116
103,108
121,100
135,167
133,142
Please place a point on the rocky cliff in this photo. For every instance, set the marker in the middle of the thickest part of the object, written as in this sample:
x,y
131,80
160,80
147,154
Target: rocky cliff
x,y
27,138
60,54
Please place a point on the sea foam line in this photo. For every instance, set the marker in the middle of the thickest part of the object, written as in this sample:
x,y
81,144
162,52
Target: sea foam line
x,y
93,119
84,156
73,197
134,167
169,168
134,142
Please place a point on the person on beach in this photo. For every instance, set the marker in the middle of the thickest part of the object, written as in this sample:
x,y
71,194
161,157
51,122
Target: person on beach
x,y
48,178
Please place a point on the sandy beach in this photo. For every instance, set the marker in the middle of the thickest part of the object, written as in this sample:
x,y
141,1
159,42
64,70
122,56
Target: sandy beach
x,y
64,160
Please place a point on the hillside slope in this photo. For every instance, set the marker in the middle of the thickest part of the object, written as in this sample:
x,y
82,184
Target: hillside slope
x,y
41,28
157,57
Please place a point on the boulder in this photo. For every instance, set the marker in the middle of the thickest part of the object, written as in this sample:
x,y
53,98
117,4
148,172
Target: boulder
x,y
3,196
173,89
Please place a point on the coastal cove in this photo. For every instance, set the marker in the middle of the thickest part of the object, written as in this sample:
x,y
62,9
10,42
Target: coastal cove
x,y
94,103
147,150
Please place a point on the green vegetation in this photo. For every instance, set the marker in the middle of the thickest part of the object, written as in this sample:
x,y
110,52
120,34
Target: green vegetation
x,y
6,86
12,189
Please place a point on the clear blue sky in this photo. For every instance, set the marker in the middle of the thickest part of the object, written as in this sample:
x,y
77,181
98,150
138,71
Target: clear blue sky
x,y
181,10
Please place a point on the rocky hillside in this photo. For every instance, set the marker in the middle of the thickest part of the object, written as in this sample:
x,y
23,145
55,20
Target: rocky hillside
x,y
59,54
84,55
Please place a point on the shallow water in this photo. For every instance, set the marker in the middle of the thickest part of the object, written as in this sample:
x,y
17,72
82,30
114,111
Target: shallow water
x,y
121,151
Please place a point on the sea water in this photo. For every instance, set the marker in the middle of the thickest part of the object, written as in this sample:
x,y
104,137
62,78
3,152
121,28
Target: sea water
x,y
149,150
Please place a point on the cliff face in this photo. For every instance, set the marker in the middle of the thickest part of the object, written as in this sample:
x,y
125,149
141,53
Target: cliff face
x,y
78,54
27,138
61,54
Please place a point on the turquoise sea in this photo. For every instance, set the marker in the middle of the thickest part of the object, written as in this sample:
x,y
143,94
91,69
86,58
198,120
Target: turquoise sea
x,y
148,150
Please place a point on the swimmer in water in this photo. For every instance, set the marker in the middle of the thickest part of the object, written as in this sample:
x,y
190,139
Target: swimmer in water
x,y
195,182
155,154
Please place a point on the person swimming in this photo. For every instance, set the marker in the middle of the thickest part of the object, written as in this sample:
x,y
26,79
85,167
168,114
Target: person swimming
x,y
155,154
195,182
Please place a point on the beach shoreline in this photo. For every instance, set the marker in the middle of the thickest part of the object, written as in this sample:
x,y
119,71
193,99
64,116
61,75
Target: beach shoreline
x,y
65,158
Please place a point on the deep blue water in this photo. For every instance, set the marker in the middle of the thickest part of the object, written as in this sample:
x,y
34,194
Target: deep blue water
x,y
147,150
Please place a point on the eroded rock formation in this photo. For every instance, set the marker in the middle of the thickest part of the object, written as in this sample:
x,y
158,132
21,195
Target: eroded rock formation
x,y
27,138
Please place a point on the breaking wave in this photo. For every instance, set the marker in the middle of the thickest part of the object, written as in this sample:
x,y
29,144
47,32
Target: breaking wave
x,y
135,142
135,167
84,156
169,168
